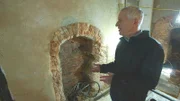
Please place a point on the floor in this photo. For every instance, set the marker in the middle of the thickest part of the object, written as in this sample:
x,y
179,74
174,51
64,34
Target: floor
x,y
105,98
150,96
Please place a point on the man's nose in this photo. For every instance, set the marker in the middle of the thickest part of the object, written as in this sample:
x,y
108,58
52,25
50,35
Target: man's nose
x,y
116,24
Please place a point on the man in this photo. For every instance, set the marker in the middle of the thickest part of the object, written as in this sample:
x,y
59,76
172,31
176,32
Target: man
x,y
138,59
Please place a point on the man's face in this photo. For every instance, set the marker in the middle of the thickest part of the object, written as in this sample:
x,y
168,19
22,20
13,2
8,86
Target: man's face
x,y
124,24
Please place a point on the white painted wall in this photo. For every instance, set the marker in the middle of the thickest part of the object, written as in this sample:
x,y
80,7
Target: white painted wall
x,y
146,6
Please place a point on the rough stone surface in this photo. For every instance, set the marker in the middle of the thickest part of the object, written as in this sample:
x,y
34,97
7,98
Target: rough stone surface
x,y
161,32
64,34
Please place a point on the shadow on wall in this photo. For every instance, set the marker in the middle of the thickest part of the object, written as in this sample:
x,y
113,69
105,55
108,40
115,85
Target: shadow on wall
x,y
68,20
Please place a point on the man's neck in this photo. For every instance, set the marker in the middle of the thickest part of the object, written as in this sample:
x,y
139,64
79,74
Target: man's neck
x,y
133,34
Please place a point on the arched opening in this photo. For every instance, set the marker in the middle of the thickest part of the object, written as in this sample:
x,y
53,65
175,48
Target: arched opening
x,y
83,41
166,31
76,59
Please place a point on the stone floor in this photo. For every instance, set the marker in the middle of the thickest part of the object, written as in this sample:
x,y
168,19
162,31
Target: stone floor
x,y
150,96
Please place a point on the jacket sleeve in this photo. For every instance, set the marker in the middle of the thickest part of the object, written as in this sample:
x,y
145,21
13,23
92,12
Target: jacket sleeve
x,y
114,66
107,67
151,68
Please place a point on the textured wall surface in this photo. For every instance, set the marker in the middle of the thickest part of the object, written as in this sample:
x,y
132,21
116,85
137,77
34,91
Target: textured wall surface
x,y
26,29
74,31
161,32
165,8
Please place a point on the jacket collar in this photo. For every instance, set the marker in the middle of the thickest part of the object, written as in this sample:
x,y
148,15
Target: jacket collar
x,y
141,35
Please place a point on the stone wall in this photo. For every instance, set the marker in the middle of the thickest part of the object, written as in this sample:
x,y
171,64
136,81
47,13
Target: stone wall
x,y
161,30
64,34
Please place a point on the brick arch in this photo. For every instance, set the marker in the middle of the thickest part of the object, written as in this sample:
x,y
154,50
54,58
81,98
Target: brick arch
x,y
161,31
60,36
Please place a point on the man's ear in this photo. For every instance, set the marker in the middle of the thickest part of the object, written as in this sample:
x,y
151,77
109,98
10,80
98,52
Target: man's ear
x,y
136,21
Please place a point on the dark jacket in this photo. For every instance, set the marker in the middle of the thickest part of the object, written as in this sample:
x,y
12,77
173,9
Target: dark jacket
x,y
137,67
5,94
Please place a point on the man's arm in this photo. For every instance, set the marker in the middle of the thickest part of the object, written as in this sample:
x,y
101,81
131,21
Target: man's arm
x,y
105,68
151,69
112,66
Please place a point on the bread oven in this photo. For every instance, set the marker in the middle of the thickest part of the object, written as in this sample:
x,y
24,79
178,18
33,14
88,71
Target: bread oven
x,y
73,49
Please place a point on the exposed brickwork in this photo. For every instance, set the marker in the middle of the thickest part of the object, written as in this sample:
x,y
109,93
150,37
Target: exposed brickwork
x,y
161,31
63,34
71,59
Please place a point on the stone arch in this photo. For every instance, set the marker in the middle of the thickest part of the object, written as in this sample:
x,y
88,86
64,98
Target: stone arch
x,y
60,36
161,31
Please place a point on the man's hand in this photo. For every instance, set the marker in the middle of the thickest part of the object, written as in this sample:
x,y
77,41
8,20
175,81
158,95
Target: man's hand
x,y
96,68
107,79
